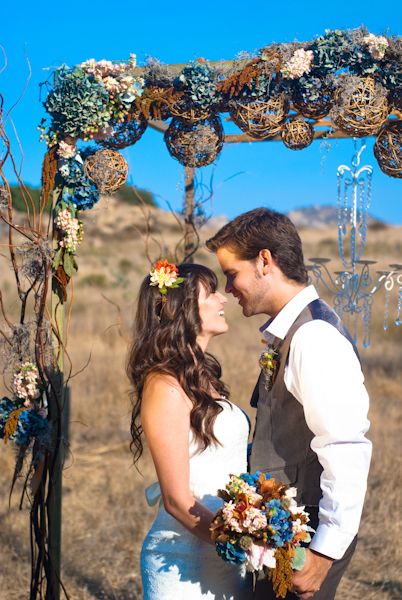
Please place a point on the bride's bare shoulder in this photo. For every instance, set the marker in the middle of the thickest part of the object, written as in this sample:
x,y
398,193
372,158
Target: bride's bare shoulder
x,y
162,387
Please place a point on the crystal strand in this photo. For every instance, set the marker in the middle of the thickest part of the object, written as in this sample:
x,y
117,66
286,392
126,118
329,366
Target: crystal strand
x,y
354,336
361,217
367,323
398,320
345,219
340,216
352,225
386,307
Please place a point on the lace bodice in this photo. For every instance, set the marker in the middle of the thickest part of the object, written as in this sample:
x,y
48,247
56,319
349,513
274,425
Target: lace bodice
x,y
210,468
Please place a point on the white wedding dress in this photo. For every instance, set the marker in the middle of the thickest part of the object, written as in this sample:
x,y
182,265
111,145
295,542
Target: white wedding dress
x,y
175,564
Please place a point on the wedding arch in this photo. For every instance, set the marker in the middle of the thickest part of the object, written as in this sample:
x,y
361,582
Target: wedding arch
x,y
341,84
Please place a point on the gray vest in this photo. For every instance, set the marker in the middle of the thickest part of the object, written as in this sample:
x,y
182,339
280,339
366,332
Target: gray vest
x,y
281,442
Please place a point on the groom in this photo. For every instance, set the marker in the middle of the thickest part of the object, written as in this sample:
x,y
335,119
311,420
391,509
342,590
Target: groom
x,y
312,407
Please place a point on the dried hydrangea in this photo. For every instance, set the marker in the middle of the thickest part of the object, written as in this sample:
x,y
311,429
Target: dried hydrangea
x,y
78,189
66,150
116,79
71,230
197,82
102,68
332,51
78,104
391,67
310,88
376,44
298,65
158,74
26,383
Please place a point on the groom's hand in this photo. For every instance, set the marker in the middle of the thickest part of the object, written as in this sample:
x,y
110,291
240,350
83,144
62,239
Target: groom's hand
x,y
308,581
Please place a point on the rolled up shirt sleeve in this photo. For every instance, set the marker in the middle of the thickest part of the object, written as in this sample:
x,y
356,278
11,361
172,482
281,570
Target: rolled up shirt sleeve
x,y
324,375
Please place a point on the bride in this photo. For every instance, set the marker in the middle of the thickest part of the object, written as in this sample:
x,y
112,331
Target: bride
x,y
196,436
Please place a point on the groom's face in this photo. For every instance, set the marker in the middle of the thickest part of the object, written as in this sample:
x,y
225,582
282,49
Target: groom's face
x,y
245,281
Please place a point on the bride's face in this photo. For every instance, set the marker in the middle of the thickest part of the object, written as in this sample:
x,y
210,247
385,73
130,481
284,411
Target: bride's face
x,y
212,314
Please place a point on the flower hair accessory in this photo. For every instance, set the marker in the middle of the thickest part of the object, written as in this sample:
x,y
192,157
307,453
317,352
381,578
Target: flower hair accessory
x,y
165,275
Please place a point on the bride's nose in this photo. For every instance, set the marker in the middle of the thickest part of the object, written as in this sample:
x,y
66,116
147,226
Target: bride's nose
x,y
222,298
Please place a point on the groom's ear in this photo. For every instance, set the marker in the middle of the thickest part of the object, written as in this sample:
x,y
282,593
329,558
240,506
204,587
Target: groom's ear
x,y
267,261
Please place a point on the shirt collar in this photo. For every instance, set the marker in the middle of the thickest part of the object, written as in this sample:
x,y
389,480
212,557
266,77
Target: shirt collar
x,y
280,325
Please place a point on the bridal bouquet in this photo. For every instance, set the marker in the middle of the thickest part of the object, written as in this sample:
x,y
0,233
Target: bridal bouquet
x,y
261,526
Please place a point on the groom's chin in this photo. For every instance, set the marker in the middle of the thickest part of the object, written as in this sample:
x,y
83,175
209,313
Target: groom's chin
x,y
247,312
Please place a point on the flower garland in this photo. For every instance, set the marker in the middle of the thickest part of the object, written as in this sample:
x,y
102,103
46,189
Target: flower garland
x,y
99,101
88,100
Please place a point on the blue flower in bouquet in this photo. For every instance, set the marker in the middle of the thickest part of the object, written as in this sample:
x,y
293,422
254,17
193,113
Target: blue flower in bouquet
x,y
231,553
252,478
280,523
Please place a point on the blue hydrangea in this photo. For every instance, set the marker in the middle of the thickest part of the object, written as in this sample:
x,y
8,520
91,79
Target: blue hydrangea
x,y
280,522
83,196
78,103
230,552
30,425
197,81
6,406
252,478
78,190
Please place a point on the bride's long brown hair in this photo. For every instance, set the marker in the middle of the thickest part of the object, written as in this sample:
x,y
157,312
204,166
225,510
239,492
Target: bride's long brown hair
x,y
165,341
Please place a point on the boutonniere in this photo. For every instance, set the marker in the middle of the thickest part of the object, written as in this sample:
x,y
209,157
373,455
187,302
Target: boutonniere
x,y
269,363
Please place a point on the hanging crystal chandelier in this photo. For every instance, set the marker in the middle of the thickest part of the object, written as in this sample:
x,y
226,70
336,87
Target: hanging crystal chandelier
x,y
353,288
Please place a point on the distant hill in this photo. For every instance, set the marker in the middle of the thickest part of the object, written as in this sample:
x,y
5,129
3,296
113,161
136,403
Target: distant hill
x,y
311,217
321,217
127,193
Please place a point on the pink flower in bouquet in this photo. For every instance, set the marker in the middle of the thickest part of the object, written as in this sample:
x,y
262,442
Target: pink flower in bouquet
x,y
254,520
260,556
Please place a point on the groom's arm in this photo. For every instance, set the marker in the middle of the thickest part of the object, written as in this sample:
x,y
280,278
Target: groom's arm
x,y
325,376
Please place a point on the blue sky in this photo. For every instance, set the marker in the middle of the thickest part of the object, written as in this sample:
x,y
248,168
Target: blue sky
x,y
246,175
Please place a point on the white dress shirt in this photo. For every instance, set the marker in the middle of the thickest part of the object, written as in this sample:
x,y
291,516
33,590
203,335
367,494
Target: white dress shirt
x,y
324,375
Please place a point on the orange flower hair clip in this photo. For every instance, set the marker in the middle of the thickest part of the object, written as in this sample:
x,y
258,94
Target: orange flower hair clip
x,y
165,275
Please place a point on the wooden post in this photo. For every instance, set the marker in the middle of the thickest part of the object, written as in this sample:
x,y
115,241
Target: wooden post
x,y
190,237
56,459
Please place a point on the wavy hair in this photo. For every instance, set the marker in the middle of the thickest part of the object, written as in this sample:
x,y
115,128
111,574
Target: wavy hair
x,y
165,341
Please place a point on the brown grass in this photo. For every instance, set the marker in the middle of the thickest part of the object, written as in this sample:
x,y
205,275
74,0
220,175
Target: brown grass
x,y
104,512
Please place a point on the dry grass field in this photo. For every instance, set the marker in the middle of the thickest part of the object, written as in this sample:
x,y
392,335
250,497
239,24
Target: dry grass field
x,y
104,510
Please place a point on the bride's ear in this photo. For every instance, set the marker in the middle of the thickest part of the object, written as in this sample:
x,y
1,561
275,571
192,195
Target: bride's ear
x,y
267,261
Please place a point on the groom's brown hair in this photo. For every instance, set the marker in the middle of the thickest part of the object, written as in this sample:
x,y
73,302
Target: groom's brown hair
x,y
262,228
